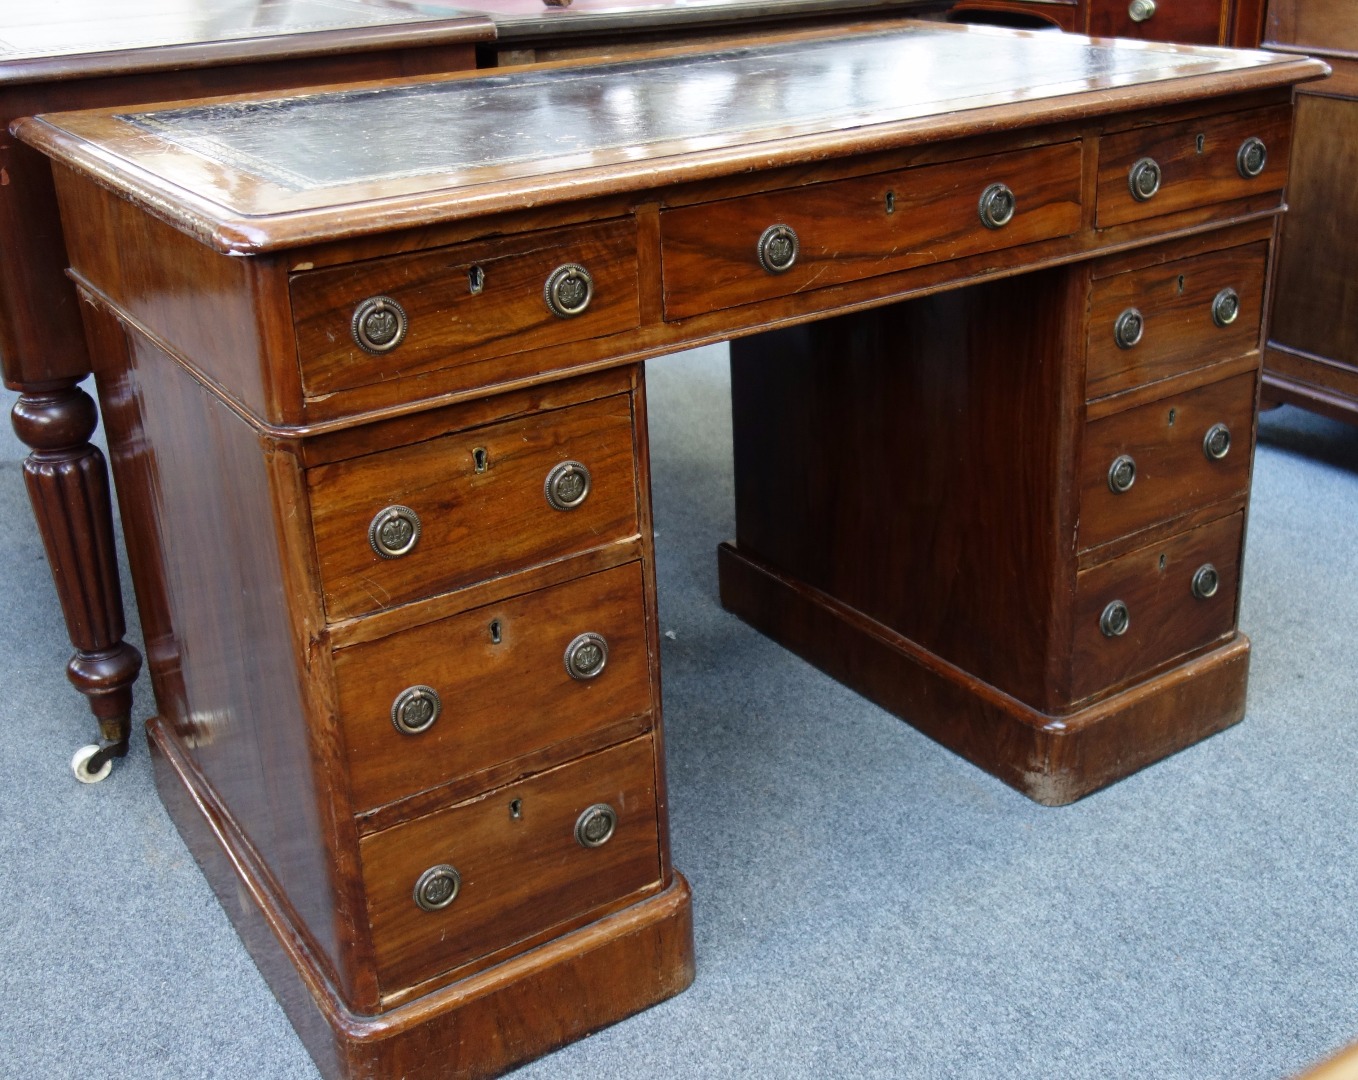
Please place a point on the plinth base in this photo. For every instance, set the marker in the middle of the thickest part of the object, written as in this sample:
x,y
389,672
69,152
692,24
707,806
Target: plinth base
x,y
480,1026
1052,760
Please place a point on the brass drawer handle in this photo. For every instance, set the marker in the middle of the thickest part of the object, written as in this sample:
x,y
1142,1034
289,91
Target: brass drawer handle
x,y
1216,444
1143,178
777,249
1251,158
1140,11
1206,581
569,290
438,887
1128,328
415,709
1121,474
586,656
394,531
997,206
1115,619
567,485
596,826
1225,307
379,324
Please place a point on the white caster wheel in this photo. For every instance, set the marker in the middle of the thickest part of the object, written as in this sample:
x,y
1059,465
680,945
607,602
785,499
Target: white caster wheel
x,y
80,765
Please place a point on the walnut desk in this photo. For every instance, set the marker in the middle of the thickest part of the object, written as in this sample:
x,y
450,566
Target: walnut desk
x,y
371,365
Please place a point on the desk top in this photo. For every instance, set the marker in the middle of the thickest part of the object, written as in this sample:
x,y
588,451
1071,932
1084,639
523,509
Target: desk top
x,y
89,38
267,172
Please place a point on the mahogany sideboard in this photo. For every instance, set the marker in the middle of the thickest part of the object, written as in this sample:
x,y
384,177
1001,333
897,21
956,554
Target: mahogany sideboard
x,y
375,399
147,52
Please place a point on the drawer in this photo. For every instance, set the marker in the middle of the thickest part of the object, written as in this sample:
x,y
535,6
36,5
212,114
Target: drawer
x,y
1196,161
1150,324
1171,469
1186,22
862,227
460,304
521,870
479,497
1167,614
500,685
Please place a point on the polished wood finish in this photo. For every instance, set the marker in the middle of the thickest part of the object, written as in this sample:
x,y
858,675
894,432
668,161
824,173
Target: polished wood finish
x,y
1195,22
910,439
144,52
1312,354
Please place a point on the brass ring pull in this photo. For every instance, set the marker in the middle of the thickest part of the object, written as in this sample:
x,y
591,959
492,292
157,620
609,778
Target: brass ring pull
x,y
586,656
394,531
1128,328
596,826
1121,474
567,485
1225,307
437,887
1251,158
1206,581
997,206
1115,619
1216,444
1143,178
568,291
777,249
415,709
379,325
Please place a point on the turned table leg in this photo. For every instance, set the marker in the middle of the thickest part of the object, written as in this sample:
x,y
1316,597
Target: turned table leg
x,y
68,486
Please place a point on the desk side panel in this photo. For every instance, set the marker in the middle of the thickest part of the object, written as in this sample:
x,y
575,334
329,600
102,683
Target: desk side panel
x,y
226,621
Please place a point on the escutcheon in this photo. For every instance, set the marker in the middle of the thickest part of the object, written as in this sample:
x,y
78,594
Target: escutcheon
x,y
437,887
379,324
415,709
1115,619
1143,178
1206,581
394,531
997,206
777,249
1216,444
586,656
595,827
567,485
1251,158
1225,307
569,290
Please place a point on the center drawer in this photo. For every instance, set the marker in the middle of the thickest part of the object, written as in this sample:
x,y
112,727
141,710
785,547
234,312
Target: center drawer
x,y
437,702
729,252
513,863
419,520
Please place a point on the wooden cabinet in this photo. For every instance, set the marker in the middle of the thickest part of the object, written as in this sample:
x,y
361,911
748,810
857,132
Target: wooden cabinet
x,y
1312,354
1196,22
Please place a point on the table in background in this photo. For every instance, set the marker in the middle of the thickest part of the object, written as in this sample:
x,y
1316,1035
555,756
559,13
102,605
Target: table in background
x,y
379,429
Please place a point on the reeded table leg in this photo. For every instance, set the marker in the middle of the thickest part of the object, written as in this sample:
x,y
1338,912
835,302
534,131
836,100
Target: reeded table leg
x,y
68,486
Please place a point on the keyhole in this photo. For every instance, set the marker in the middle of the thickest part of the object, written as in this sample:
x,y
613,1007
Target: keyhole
x,y
1181,284
1162,562
1201,140
495,632
516,810
476,280
1172,414
890,202
481,458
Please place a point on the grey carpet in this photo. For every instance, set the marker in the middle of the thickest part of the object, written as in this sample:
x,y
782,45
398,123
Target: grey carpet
x,y
867,904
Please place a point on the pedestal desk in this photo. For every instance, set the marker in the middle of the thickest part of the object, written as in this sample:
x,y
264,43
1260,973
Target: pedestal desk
x,y
371,360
